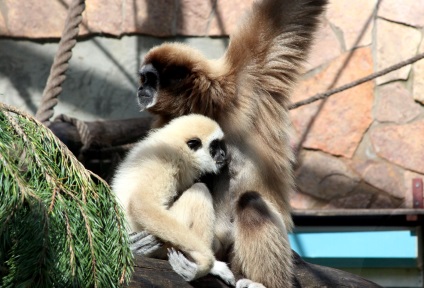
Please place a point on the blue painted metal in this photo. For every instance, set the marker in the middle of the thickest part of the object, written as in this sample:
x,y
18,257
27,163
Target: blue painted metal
x,y
358,249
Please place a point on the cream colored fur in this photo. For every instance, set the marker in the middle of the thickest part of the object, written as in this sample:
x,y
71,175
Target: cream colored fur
x,y
162,168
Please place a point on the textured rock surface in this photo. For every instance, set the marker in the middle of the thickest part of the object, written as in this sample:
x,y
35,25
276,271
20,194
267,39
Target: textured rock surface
x,y
30,19
325,177
354,20
396,104
418,88
406,11
119,17
401,144
338,127
326,46
363,196
395,43
383,176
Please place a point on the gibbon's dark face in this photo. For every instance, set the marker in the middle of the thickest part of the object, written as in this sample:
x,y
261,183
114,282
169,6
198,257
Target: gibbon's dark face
x,y
149,84
217,150
153,77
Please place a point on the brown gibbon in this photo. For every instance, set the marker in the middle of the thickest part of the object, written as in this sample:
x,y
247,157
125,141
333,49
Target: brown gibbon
x,y
247,92
156,186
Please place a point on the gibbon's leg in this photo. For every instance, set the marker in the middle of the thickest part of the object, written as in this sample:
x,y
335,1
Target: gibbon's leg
x,y
195,209
257,221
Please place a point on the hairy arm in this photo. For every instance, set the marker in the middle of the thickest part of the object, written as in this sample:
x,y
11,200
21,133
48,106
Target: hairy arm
x,y
271,42
158,221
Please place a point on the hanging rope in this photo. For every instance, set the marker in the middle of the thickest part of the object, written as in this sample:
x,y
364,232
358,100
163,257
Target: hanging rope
x,y
370,77
60,63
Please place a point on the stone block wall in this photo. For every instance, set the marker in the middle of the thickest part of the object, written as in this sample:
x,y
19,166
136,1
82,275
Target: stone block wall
x,y
361,148
358,149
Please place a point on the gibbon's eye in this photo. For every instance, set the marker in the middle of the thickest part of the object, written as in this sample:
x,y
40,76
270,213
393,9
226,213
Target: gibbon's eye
x,y
194,144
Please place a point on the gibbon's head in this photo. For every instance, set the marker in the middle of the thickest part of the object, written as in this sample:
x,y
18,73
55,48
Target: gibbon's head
x,y
173,79
200,139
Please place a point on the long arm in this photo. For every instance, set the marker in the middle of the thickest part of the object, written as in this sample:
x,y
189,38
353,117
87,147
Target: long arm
x,y
272,41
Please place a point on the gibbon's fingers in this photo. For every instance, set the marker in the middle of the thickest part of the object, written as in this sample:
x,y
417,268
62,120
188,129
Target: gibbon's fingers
x,y
143,243
221,270
181,265
246,283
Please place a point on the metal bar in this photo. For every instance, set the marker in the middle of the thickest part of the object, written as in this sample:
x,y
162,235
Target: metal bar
x,y
358,212
417,193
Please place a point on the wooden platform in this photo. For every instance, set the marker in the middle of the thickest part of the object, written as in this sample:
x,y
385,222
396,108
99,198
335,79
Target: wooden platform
x,y
158,273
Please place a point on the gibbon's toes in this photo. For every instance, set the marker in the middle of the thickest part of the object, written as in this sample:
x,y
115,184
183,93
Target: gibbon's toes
x,y
246,283
181,265
143,243
221,270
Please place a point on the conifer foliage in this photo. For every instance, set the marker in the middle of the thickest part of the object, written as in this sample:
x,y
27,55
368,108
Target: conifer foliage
x,y
60,225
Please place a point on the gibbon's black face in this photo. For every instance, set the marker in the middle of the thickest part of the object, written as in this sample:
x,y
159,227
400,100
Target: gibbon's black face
x,y
217,150
149,82
154,77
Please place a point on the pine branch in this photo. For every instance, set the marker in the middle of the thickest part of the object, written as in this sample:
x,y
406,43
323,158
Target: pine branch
x,y
60,225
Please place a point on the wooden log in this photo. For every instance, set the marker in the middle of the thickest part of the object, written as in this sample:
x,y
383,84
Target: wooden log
x,y
158,273
103,134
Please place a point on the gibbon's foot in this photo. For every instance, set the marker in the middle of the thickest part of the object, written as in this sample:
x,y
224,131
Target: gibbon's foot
x,y
246,283
181,265
143,243
221,270
187,269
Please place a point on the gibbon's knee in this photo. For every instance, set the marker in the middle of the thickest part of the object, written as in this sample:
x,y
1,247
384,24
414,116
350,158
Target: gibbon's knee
x,y
261,246
194,208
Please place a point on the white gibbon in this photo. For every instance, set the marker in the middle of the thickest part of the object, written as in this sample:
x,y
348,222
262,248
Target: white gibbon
x,y
156,185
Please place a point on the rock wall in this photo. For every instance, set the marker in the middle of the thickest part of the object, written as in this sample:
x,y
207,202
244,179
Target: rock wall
x,y
360,148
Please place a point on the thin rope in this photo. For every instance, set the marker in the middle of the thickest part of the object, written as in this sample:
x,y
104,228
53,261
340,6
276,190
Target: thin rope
x,y
60,63
370,77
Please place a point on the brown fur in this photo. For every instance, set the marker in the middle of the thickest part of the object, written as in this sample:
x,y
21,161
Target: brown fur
x,y
247,93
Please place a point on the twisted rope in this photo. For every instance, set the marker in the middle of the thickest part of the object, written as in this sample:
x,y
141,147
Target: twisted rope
x,y
370,77
60,63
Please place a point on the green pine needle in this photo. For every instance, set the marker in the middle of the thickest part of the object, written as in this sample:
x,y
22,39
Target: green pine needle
x,y
60,225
